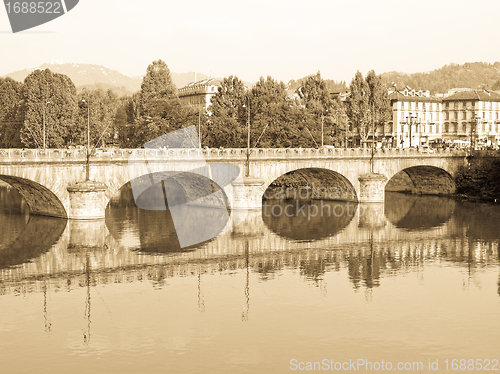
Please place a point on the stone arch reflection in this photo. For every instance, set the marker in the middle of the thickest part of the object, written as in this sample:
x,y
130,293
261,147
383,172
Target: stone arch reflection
x,y
196,206
412,212
307,220
38,236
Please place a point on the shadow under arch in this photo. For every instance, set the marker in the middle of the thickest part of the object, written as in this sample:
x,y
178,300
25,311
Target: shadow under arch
x,y
312,183
41,201
170,207
38,236
414,212
423,179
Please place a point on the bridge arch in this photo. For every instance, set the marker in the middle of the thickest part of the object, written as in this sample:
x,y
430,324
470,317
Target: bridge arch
x,y
40,199
310,183
422,179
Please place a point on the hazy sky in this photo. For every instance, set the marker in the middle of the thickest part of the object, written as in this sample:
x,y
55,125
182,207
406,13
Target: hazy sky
x,y
285,39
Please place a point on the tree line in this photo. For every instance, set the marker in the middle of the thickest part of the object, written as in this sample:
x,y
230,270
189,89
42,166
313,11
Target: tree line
x,y
478,75
47,111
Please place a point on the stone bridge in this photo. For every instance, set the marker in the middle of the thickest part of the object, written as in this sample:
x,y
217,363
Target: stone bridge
x,y
50,180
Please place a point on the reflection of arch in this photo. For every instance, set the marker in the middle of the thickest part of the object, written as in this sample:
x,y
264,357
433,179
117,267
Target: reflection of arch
x,y
39,235
307,221
196,207
423,180
323,184
413,212
39,198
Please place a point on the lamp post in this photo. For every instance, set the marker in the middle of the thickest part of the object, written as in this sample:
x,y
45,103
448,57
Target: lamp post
x,y
199,126
247,166
322,123
346,129
473,125
87,172
44,137
410,121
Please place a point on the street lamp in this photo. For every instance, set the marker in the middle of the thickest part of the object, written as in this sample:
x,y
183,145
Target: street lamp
x,y
410,121
247,166
473,125
322,123
44,109
346,129
87,173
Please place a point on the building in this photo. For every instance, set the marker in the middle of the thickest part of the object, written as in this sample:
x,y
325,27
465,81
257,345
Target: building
x,y
198,94
416,119
472,115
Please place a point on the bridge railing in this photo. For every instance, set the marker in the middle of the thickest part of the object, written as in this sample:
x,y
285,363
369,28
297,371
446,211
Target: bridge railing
x,y
222,153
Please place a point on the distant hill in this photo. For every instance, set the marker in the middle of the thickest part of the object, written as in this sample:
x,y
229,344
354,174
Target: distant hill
x,y
86,75
468,75
97,76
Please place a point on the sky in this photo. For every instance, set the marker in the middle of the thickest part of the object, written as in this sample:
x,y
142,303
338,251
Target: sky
x,y
284,39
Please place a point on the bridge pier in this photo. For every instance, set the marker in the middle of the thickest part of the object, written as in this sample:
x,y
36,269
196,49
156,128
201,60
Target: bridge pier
x,y
87,200
372,188
88,235
246,193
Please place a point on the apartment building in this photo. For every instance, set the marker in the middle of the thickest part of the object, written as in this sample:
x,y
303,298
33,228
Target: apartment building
x,y
472,115
198,94
416,119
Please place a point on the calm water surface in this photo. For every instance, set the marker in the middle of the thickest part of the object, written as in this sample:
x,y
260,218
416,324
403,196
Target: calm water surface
x,y
411,280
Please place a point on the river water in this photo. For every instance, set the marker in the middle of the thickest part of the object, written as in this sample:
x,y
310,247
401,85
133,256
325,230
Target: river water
x,y
412,282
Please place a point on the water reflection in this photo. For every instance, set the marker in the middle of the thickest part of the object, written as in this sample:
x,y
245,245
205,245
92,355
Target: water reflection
x,y
307,220
154,231
142,245
413,212
37,237
392,291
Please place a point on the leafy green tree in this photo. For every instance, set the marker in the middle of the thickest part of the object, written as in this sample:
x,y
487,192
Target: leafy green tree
x,y
269,109
358,106
379,98
228,115
50,100
11,113
315,95
156,86
97,111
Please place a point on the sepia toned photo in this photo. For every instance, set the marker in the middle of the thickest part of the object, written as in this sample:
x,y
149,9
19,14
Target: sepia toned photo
x,y
265,188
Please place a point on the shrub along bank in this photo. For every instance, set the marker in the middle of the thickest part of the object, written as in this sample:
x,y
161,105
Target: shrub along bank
x,y
480,179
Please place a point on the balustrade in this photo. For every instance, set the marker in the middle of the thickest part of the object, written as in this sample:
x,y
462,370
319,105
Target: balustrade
x,y
58,155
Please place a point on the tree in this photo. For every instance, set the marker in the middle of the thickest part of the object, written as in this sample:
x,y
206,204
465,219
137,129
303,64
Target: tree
x,y
50,100
227,124
157,85
315,95
358,106
11,113
99,111
379,102
269,109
